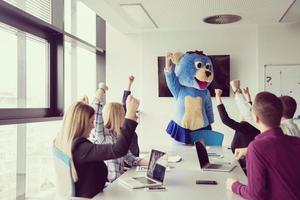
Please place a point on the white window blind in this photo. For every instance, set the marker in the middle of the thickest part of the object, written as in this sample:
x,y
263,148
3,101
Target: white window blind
x,y
37,8
13,2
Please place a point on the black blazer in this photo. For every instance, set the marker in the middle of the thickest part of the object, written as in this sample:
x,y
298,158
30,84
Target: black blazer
x,y
244,131
89,160
134,146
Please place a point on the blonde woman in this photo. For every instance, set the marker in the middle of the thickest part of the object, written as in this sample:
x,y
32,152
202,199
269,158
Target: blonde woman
x,y
107,131
89,171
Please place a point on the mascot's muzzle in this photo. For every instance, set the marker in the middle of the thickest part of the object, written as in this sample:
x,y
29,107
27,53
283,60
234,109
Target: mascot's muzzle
x,y
207,73
203,77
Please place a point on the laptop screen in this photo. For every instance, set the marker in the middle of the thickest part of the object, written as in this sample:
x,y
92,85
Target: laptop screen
x,y
156,169
202,154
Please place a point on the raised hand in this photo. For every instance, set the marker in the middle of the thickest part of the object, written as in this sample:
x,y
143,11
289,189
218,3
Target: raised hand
x,y
235,86
218,92
85,99
169,63
102,88
130,81
246,91
246,94
132,105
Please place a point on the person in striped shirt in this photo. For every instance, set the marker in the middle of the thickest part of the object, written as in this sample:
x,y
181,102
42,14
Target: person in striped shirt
x,y
108,122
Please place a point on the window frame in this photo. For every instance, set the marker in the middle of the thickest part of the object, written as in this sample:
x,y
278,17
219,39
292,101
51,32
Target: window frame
x,y
11,16
54,33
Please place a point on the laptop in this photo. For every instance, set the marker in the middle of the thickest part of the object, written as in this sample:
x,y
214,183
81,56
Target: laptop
x,y
204,160
155,172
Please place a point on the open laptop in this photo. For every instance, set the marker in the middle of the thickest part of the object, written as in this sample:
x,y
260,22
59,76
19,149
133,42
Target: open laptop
x,y
204,160
155,172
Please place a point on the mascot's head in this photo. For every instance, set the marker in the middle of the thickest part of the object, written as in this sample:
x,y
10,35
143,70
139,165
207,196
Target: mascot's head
x,y
193,69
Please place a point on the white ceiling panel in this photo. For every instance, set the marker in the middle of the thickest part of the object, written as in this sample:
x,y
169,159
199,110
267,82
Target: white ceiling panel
x,y
188,14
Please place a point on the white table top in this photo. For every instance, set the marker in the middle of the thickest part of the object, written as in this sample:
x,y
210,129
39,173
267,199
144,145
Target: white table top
x,y
180,181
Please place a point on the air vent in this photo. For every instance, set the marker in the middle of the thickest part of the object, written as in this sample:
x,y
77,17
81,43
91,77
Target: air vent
x,y
222,19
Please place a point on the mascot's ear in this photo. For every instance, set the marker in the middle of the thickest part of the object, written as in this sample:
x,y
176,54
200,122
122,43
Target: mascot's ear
x,y
176,57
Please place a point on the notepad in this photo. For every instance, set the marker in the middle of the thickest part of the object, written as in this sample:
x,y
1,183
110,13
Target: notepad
x,y
174,159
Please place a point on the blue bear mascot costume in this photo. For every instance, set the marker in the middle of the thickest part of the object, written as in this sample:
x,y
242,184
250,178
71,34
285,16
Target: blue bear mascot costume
x,y
188,83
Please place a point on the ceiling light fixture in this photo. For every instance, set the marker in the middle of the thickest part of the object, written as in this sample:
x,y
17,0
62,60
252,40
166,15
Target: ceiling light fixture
x,y
222,19
138,13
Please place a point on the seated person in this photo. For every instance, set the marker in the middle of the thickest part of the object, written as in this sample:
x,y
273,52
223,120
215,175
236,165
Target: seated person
x,y
287,123
244,131
273,171
244,104
108,130
89,171
134,146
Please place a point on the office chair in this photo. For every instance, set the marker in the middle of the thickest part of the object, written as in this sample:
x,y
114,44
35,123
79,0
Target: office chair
x,y
65,186
210,138
64,182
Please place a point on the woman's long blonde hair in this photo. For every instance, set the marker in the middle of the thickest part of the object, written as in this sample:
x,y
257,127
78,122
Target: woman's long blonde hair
x,y
113,116
75,124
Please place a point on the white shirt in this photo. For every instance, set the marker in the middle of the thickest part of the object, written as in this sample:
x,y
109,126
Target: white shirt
x,y
290,128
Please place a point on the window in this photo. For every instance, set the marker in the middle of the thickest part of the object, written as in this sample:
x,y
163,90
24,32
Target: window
x,y
33,61
8,166
80,62
70,68
80,76
69,8
86,29
40,174
40,9
37,72
8,64
34,94
76,23
86,75
46,69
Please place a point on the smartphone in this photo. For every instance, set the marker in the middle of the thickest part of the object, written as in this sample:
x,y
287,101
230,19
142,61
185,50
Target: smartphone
x,y
156,189
206,182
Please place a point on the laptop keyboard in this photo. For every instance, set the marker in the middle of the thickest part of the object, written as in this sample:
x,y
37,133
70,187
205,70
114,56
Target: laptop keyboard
x,y
214,166
144,180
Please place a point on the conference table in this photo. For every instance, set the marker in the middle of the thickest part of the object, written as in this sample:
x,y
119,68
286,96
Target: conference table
x,y
180,181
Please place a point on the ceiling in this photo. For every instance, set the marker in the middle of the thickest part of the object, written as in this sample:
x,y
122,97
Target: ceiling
x,y
147,15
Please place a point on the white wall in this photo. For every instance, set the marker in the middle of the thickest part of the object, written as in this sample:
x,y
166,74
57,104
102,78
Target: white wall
x,y
250,47
122,59
278,44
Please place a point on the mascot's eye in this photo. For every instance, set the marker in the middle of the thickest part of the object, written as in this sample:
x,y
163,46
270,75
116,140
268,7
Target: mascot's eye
x,y
207,66
198,65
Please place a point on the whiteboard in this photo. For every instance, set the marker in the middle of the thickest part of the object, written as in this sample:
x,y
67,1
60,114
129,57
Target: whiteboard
x,y
284,79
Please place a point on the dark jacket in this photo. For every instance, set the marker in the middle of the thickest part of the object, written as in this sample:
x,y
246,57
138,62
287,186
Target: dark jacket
x,y
89,160
134,146
244,131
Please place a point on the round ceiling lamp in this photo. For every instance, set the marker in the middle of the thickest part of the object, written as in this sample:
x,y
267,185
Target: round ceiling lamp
x,y
222,19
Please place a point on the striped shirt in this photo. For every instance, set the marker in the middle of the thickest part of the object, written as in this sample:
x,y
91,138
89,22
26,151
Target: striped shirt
x,y
102,135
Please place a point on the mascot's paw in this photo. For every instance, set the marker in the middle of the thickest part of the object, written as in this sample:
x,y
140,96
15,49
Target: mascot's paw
x,y
176,57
